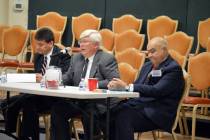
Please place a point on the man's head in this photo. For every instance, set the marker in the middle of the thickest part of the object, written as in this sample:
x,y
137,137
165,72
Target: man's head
x,y
44,40
90,42
157,50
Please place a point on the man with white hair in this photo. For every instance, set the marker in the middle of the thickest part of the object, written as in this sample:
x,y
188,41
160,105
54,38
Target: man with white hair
x,y
160,86
100,65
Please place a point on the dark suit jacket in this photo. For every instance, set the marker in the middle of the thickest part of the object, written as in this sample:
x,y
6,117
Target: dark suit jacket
x,y
160,96
62,61
16,102
104,68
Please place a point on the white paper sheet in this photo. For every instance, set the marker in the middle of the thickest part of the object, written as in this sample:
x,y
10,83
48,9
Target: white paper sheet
x,y
21,77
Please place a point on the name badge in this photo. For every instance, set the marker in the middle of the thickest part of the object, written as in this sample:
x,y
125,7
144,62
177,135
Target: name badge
x,y
156,73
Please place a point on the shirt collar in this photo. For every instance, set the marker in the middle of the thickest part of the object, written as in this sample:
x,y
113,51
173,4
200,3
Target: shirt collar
x,y
90,58
49,54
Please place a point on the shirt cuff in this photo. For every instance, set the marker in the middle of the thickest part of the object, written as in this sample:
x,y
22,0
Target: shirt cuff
x,y
130,87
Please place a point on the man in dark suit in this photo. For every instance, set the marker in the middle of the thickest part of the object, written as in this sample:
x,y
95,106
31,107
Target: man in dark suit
x,y
33,104
160,86
101,65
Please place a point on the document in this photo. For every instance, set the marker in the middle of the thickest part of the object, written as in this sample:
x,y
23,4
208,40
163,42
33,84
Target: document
x,y
21,77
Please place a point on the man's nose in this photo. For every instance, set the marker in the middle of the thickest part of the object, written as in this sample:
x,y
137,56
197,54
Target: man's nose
x,y
149,54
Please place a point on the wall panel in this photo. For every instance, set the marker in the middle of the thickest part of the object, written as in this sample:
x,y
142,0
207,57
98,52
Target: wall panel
x,y
68,8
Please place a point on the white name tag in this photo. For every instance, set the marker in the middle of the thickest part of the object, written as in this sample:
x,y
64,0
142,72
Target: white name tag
x,y
156,73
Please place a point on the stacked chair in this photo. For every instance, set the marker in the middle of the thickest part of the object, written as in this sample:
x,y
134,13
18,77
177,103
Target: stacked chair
x,y
179,46
197,107
108,40
161,26
14,41
128,39
125,23
203,34
53,20
83,22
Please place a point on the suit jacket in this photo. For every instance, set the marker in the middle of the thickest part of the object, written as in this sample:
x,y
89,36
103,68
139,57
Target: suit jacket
x,y
62,61
16,102
160,96
104,68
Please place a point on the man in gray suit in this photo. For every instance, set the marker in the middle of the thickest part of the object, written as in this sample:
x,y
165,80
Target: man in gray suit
x,y
91,62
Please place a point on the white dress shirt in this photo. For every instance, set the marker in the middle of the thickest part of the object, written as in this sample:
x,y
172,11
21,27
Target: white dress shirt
x,y
90,62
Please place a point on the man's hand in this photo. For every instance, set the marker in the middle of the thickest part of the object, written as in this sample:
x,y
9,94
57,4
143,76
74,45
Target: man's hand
x,y
116,84
38,77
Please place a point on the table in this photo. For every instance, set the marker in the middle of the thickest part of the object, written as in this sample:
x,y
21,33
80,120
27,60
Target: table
x,y
70,92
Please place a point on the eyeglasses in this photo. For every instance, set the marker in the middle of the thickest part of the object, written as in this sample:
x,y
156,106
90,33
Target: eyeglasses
x,y
84,42
153,50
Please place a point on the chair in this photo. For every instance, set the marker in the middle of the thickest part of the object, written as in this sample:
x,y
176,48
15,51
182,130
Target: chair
x,y
83,22
128,39
208,45
125,23
161,26
203,34
182,44
14,41
198,68
107,39
2,28
180,59
127,73
53,20
131,56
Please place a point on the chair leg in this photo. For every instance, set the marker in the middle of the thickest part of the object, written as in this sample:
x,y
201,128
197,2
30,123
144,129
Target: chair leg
x,y
174,135
139,136
181,126
75,130
18,125
194,121
185,123
46,119
73,126
154,135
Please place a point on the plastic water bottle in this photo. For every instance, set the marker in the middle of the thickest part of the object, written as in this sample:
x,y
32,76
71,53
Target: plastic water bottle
x,y
82,85
3,77
42,82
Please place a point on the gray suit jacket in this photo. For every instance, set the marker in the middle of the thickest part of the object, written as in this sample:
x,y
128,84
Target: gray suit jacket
x,y
104,68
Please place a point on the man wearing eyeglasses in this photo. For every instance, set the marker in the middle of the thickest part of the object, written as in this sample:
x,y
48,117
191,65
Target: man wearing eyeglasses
x,y
91,62
160,86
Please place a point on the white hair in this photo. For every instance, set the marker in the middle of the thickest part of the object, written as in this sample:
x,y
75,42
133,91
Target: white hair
x,y
93,35
161,42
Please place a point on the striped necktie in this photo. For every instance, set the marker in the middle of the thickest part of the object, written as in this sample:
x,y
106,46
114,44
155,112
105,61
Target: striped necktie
x,y
44,64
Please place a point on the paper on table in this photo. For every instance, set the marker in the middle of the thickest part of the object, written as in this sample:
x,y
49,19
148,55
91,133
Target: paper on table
x,y
21,77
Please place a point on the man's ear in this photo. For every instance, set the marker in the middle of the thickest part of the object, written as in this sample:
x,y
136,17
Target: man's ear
x,y
97,44
51,42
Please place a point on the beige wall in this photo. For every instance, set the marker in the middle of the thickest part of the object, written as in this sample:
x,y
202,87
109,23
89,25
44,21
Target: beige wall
x,y
4,4
18,17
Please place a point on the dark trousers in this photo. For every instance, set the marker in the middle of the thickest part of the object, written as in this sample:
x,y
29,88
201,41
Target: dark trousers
x,y
32,107
11,110
126,120
62,112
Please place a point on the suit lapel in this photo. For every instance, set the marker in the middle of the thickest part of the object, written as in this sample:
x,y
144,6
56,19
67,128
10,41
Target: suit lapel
x,y
53,60
147,71
164,63
95,64
38,63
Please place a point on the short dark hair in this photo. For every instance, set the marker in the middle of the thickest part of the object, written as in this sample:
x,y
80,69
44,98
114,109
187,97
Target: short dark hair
x,y
44,34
